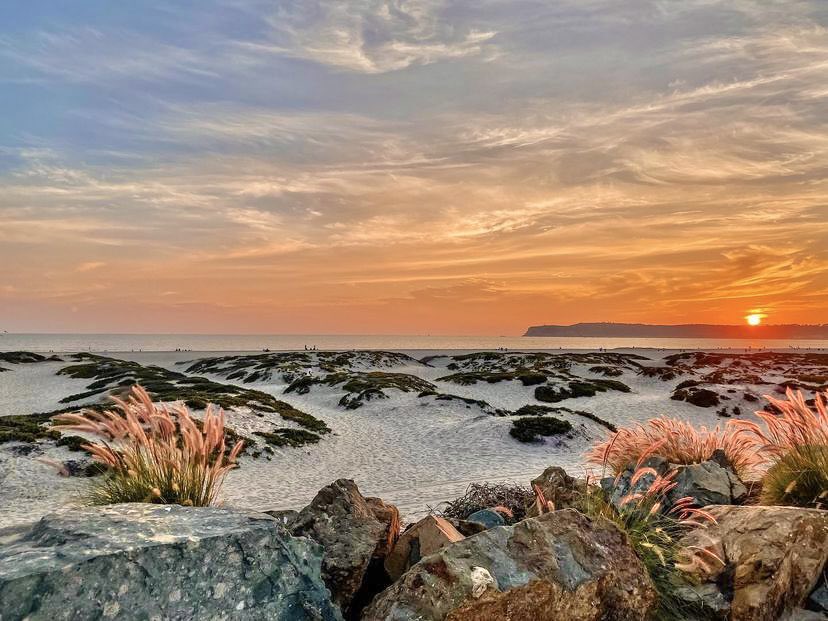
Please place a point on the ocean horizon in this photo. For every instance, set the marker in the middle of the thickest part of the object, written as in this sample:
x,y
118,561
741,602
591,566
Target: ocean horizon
x,y
66,342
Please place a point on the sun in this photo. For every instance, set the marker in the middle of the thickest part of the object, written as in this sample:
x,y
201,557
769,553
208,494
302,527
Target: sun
x,y
754,319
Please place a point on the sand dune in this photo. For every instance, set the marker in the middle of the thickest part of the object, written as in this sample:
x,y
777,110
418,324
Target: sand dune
x,y
415,451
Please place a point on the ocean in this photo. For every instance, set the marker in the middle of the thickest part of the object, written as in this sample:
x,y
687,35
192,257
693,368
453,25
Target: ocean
x,y
286,342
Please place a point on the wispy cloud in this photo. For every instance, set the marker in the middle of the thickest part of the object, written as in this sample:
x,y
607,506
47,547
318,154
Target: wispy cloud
x,y
372,36
88,266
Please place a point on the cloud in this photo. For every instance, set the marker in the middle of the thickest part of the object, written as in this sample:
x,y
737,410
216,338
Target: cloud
x,y
647,161
86,54
372,36
88,266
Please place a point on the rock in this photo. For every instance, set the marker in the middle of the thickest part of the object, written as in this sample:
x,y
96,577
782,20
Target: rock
x,y
488,518
804,615
561,566
145,561
709,595
389,516
466,528
708,483
354,539
773,557
618,487
559,488
818,599
285,516
422,539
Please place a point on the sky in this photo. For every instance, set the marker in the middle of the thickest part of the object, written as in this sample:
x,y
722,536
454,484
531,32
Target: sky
x,y
411,166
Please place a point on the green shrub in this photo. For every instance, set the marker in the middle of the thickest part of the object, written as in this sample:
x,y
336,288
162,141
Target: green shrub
x,y
529,429
798,478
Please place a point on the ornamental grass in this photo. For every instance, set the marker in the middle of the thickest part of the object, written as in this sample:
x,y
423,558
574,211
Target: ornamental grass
x,y
155,453
793,441
677,442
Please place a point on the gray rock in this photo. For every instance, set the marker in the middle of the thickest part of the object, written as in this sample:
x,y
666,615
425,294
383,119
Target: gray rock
x,y
284,516
617,488
708,483
801,614
561,566
487,518
708,597
142,561
818,600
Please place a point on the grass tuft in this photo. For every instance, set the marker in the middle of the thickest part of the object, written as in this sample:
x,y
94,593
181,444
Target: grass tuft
x,y
155,453
794,442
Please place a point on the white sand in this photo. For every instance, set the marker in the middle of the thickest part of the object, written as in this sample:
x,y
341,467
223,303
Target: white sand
x,y
412,452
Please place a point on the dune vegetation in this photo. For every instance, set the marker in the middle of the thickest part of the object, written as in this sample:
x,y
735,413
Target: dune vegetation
x,y
155,453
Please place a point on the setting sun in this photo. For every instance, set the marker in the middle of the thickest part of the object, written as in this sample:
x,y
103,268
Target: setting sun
x,y
754,320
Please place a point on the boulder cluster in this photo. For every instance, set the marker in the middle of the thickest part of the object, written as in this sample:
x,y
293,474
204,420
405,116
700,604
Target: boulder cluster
x,y
346,557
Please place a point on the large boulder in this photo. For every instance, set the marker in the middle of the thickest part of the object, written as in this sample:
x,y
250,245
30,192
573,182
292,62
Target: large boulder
x,y
773,558
356,534
561,566
421,539
143,561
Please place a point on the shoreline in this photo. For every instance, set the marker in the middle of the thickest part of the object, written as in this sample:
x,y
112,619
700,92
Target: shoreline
x,y
432,351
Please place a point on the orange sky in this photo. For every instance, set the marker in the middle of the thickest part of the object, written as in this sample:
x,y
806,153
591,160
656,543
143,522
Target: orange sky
x,y
431,169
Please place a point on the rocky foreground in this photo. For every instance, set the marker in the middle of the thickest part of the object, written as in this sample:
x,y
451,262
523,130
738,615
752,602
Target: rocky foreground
x,y
344,557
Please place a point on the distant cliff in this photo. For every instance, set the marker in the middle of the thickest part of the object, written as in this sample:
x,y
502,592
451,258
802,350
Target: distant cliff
x,y
685,331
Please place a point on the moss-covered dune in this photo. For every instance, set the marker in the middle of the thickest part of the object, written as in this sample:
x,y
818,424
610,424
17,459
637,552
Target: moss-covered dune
x,y
363,386
665,374
114,376
528,377
29,428
578,388
558,376
544,410
607,371
289,366
498,361
713,376
25,357
484,406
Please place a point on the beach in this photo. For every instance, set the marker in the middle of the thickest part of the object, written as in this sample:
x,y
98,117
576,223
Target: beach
x,y
413,449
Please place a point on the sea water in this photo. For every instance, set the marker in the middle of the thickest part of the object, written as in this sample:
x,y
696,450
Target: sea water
x,y
289,342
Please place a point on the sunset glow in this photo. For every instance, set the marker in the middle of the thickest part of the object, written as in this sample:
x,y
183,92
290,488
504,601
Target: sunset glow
x,y
420,167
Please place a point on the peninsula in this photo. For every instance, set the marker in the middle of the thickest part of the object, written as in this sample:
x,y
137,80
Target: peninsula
x,y
695,331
